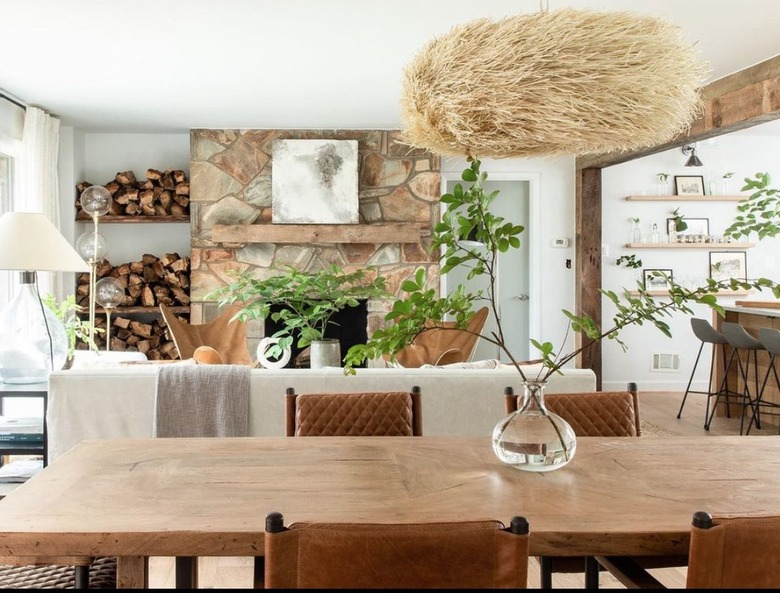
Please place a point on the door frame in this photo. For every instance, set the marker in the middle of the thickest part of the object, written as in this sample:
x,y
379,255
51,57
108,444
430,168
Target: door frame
x,y
532,234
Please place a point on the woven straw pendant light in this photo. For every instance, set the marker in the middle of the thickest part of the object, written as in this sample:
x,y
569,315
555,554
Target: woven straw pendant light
x,y
564,82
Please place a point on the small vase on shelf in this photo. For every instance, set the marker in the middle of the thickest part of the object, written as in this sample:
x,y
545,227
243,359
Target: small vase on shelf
x,y
655,235
635,234
533,438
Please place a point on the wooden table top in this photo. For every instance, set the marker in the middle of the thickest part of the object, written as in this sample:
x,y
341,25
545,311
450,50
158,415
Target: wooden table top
x,y
209,497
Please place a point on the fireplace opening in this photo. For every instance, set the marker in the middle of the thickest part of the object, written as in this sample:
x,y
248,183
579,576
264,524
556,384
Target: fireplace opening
x,y
349,326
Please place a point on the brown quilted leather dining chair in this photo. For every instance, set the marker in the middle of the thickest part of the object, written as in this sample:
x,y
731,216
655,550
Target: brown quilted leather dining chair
x,y
591,414
449,555
226,337
391,413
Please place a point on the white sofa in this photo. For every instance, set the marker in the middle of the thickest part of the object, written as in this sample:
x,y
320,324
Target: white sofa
x,y
100,403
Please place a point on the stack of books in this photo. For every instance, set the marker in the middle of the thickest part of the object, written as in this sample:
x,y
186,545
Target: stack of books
x,y
21,430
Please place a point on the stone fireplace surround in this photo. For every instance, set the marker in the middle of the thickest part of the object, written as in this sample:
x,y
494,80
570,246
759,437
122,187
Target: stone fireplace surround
x,y
230,176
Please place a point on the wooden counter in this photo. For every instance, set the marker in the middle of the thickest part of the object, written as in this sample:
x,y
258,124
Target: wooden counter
x,y
752,319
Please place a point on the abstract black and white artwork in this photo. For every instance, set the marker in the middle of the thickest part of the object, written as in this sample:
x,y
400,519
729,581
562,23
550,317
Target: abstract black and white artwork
x,y
315,182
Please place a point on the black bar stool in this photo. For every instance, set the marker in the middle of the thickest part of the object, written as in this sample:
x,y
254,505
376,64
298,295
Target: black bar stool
x,y
770,338
740,341
707,334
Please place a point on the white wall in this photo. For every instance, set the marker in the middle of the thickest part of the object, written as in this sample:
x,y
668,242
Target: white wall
x,y
744,153
97,158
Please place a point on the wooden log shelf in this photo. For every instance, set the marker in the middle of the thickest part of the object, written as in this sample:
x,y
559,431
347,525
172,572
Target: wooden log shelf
x,y
117,219
686,198
400,232
727,246
181,310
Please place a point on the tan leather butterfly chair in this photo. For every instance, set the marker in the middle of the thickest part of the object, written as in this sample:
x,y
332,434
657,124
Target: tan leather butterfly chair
x,y
227,337
592,414
734,552
392,413
448,555
444,346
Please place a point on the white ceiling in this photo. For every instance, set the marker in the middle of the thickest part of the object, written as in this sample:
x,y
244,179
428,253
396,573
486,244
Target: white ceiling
x,y
172,65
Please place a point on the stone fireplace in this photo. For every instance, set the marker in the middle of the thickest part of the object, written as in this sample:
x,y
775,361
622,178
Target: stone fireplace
x,y
231,228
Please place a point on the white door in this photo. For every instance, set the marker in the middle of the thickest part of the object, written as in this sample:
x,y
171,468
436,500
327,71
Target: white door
x,y
512,204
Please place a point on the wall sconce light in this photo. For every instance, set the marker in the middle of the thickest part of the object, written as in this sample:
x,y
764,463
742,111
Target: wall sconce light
x,y
693,160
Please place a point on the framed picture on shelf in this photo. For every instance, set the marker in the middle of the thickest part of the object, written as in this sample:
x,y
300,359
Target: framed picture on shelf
x,y
656,278
689,185
699,227
725,265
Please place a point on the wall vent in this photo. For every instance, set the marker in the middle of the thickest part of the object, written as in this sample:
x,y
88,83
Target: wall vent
x,y
664,362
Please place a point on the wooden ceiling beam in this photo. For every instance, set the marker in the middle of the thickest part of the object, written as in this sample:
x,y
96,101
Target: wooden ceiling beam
x,y
738,101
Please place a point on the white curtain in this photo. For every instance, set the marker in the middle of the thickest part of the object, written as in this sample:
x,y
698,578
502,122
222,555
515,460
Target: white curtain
x,y
37,187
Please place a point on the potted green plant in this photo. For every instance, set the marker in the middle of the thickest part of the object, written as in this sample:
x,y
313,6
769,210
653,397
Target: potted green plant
x,y
467,211
679,222
77,329
304,303
663,184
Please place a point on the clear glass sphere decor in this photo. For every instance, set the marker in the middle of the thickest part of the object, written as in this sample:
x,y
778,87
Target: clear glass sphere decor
x,y
533,438
92,246
109,292
96,199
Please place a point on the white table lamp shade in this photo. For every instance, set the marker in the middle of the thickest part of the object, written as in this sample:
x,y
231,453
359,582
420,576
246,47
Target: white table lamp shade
x,y
29,241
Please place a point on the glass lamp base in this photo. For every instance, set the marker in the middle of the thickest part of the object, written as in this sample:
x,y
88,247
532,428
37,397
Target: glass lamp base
x,y
29,346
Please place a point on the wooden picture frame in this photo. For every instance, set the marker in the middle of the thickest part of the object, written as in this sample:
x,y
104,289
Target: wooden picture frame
x,y
689,185
725,265
652,281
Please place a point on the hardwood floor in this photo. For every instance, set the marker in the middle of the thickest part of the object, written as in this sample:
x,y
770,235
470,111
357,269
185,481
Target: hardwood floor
x,y
658,411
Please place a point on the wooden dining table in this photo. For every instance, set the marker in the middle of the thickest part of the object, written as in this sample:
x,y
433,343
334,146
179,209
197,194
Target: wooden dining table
x,y
139,498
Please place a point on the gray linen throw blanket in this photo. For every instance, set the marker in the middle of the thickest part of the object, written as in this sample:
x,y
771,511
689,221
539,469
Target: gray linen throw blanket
x,y
202,400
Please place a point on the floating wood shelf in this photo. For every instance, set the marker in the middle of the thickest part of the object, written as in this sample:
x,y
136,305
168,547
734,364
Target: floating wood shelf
x,y
388,232
727,246
719,293
115,219
128,310
686,198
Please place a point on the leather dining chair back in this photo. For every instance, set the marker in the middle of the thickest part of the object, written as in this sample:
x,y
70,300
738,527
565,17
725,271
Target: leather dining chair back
x,y
448,555
591,414
392,413
734,552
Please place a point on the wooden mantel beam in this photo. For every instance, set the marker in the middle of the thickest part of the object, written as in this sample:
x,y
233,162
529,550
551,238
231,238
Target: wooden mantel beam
x,y
738,101
388,232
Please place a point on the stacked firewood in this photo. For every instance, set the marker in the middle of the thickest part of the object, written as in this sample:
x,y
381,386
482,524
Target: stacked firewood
x,y
128,335
163,193
147,283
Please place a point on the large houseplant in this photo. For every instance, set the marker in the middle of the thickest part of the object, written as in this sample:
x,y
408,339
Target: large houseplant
x,y
468,213
304,303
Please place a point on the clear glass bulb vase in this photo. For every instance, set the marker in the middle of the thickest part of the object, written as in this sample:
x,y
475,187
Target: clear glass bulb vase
x,y
29,347
533,438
